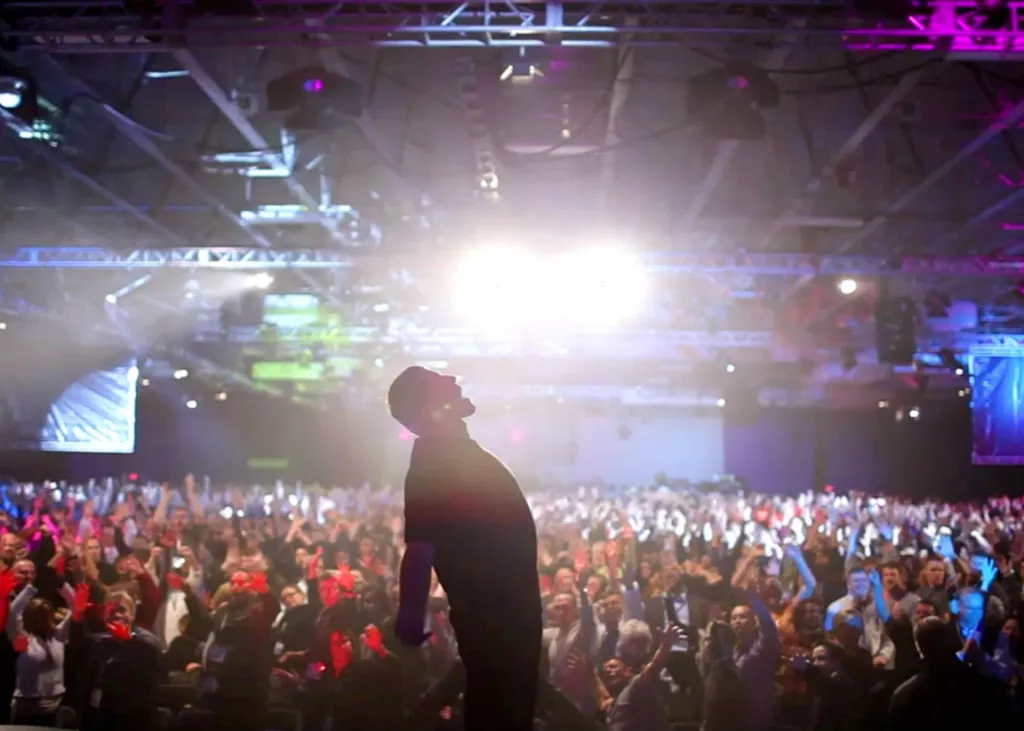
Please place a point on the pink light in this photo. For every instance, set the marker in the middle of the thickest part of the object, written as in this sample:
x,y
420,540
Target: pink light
x,y
405,435
516,436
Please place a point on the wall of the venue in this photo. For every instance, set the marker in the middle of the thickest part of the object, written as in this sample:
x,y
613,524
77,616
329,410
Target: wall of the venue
x,y
573,446
774,450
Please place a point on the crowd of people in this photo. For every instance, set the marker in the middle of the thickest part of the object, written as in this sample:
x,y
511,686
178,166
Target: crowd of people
x,y
136,606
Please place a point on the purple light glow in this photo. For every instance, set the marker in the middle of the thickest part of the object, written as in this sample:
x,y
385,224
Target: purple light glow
x,y
313,86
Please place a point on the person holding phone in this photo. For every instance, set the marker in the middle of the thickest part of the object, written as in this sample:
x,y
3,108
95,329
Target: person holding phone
x,y
466,517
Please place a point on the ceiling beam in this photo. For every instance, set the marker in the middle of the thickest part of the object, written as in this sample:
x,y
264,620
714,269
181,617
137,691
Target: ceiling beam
x,y
53,158
622,85
245,128
398,186
1006,120
882,110
725,150
140,139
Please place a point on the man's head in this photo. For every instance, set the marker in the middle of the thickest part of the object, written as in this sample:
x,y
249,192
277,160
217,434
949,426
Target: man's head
x,y
971,607
744,624
857,583
423,400
119,608
9,548
934,641
635,643
563,610
24,572
292,596
924,609
617,673
613,609
179,520
848,628
94,550
892,577
934,574
827,657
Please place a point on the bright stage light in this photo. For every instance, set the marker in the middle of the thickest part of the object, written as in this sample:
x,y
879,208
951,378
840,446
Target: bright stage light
x,y
492,284
191,404
589,287
261,280
847,286
603,285
180,374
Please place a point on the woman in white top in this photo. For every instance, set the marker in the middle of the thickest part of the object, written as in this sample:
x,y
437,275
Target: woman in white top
x,y
33,630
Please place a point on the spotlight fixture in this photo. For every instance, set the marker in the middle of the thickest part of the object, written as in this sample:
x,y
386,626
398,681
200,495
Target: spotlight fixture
x,y
316,98
18,93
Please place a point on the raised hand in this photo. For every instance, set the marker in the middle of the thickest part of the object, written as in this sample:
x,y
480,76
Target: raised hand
x,y
373,640
989,572
876,580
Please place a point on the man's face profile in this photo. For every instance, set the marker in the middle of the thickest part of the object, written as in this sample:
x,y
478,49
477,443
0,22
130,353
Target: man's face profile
x,y
420,398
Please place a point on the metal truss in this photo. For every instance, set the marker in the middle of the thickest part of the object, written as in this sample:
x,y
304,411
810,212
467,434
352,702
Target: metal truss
x,y
1006,120
425,343
670,262
956,27
102,26
186,258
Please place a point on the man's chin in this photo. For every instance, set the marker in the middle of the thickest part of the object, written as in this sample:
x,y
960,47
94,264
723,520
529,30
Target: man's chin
x,y
465,408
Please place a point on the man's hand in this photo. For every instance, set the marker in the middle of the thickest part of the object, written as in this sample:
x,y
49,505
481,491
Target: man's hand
x,y
409,628
989,572
674,634
880,662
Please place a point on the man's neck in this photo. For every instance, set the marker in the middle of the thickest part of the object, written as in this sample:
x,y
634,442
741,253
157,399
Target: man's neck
x,y
447,430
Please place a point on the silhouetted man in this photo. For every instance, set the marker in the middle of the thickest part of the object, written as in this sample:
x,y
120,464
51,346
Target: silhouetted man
x,y
946,693
466,517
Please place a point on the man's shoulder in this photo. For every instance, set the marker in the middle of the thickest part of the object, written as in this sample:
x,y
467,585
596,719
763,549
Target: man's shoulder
x,y
839,605
906,691
145,637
